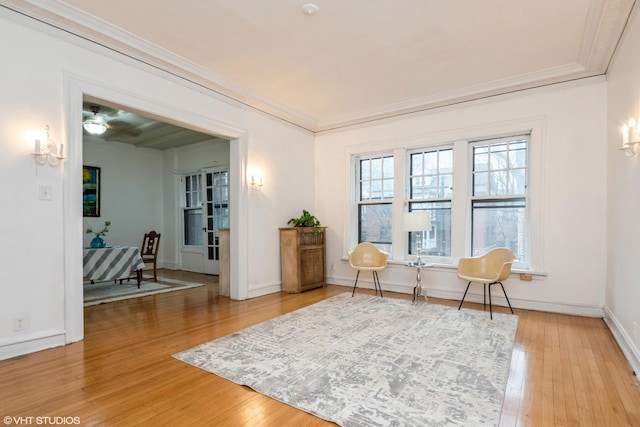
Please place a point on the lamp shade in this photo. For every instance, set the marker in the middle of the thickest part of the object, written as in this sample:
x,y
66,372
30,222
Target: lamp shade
x,y
416,221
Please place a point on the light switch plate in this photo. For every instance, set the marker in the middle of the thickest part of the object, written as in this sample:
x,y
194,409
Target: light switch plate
x,y
46,193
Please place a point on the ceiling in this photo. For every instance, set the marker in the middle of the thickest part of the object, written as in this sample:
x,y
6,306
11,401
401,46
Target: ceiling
x,y
357,60
139,130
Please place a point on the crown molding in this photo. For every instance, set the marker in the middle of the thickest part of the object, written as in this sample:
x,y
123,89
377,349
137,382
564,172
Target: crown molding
x,y
603,28
458,96
74,21
605,24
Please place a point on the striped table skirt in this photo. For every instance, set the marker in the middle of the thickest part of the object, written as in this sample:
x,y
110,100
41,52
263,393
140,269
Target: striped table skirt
x,y
112,263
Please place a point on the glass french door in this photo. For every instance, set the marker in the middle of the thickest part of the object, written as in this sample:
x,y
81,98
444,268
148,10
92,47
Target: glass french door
x,y
215,213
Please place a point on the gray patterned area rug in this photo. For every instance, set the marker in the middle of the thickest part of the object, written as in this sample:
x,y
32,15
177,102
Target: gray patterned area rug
x,y
103,292
370,361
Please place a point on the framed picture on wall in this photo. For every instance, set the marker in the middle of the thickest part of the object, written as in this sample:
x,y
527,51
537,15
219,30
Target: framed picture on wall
x,y
90,191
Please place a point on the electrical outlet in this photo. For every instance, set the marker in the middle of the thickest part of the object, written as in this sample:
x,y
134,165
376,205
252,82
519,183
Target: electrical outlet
x,y
19,323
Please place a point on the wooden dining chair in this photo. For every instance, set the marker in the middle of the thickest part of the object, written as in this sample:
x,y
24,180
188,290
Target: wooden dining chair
x,y
149,251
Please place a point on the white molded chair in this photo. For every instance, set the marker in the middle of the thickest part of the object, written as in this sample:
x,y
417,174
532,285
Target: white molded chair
x,y
366,256
489,269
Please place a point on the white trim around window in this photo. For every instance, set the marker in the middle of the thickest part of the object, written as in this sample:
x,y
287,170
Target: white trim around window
x,y
459,139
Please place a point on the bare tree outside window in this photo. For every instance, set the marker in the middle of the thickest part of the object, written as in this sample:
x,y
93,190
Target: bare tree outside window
x,y
375,188
499,199
431,181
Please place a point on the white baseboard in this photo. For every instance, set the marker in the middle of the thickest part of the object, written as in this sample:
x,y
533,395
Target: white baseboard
x,y
169,265
624,341
265,289
31,344
497,298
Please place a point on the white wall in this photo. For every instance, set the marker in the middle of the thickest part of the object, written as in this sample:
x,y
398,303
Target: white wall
x,y
130,191
623,268
571,190
42,270
284,160
45,73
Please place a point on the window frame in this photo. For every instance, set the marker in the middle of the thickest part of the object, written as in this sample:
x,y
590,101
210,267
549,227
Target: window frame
x,y
473,199
187,206
534,126
411,201
360,202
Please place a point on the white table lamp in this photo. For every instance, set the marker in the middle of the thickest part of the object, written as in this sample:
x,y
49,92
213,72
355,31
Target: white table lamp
x,y
418,221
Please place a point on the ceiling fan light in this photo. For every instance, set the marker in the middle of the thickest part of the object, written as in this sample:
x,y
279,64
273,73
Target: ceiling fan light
x,y
95,125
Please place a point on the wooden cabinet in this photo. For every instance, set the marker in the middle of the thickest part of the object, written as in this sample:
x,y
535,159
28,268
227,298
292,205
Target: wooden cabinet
x,y
302,258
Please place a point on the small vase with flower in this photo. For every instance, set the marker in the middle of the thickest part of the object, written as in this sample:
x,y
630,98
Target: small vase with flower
x,y
98,242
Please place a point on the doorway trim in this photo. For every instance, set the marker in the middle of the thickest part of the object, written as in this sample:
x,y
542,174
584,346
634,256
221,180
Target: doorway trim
x,y
75,89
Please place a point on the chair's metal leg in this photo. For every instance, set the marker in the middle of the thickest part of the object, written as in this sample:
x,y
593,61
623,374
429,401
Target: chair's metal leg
x,y
490,306
463,296
354,285
376,282
484,295
505,295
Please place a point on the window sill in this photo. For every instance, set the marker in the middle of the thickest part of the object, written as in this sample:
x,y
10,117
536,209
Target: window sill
x,y
443,266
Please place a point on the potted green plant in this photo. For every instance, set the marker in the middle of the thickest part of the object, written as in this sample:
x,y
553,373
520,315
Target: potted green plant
x,y
305,220
98,241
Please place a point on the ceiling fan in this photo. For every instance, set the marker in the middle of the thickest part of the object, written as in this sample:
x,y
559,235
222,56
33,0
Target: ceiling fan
x,y
96,124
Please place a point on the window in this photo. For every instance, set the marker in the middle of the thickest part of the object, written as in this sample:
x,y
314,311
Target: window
x,y
192,210
375,197
430,189
499,196
480,194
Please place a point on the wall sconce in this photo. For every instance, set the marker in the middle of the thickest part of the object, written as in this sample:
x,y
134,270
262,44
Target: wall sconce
x,y
48,151
630,137
256,181
254,178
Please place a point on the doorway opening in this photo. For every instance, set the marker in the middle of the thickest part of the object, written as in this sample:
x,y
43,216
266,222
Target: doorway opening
x,y
140,158
179,114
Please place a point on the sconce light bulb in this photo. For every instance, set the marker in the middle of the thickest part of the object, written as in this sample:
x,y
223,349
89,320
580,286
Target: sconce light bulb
x,y
625,129
632,123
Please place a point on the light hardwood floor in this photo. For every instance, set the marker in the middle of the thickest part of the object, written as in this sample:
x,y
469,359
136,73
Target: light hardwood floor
x,y
565,370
